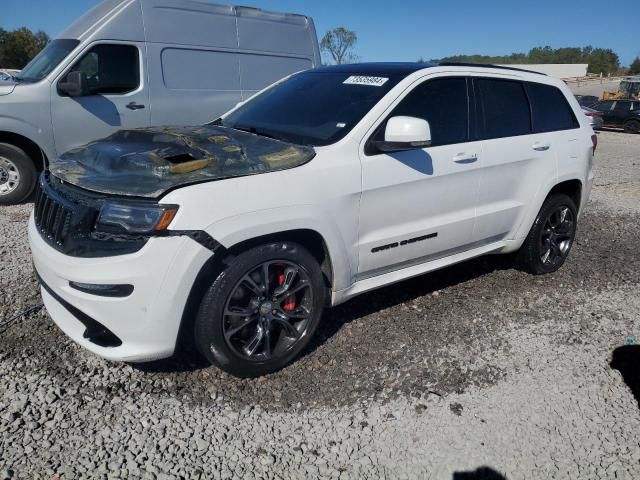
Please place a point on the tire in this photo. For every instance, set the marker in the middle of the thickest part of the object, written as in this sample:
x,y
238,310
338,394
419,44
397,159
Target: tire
x,y
551,237
243,331
17,175
632,126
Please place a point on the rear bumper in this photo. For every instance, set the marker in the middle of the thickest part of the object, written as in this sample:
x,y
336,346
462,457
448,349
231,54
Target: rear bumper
x,y
148,320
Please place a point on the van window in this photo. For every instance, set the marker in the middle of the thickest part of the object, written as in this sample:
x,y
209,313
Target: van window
x,y
506,108
444,104
47,60
110,69
549,109
186,69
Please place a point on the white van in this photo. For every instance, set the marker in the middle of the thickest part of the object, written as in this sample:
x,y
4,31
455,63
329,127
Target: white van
x,y
333,182
136,63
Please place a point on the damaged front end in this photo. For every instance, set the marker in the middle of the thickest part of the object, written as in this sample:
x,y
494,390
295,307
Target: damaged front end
x,y
102,199
149,162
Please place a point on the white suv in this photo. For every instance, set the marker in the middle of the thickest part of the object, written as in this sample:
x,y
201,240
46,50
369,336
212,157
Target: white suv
x,y
330,183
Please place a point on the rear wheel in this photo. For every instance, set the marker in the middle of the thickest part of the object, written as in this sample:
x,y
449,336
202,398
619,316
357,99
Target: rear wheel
x,y
17,174
632,126
262,310
551,237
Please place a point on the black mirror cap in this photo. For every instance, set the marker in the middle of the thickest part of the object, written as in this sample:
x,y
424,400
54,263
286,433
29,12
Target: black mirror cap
x,y
391,147
74,85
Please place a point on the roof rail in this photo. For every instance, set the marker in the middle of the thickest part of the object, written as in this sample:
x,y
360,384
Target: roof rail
x,y
487,65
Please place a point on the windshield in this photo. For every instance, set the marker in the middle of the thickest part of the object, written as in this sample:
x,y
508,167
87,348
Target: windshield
x,y
47,60
311,108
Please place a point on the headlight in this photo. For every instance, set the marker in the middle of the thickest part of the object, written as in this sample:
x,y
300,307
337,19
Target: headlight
x,y
135,218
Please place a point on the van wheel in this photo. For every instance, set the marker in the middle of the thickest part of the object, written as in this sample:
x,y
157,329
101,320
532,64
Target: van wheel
x,y
632,126
17,175
551,237
262,310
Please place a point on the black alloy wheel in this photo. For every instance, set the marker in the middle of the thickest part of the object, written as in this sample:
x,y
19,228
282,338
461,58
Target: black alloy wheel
x,y
551,237
556,236
268,311
262,309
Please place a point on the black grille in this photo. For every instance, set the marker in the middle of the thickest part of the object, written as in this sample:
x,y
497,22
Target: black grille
x,y
52,214
66,216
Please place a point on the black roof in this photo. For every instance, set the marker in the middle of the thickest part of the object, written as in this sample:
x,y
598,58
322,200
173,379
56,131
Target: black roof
x,y
403,68
376,68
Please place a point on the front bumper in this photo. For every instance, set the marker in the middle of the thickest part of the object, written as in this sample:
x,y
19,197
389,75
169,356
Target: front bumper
x,y
147,321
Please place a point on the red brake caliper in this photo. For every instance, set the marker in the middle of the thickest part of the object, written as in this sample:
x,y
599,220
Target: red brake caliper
x,y
290,301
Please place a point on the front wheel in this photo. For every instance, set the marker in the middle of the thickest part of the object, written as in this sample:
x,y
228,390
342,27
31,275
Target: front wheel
x,y
17,175
262,310
551,237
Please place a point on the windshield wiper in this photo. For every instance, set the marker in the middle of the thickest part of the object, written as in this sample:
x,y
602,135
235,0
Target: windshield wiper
x,y
255,131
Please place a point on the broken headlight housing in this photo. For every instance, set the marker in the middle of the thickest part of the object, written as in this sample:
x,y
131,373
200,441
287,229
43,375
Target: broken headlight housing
x,y
135,218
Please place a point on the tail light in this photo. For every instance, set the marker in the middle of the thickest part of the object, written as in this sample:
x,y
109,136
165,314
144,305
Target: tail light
x,y
593,114
594,141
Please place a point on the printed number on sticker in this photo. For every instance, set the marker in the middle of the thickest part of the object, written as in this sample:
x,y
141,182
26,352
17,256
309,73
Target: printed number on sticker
x,y
362,80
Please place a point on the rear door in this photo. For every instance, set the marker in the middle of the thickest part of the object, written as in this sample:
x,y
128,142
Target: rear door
x,y
419,205
514,158
118,96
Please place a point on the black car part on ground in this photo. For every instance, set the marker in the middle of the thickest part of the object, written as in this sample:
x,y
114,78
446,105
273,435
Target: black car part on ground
x,y
65,217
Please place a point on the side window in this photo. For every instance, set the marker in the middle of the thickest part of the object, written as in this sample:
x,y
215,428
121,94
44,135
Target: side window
x,y
603,106
110,69
549,109
505,108
622,107
444,104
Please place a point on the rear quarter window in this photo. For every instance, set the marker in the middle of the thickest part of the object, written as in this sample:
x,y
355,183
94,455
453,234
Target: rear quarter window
x,y
550,110
505,108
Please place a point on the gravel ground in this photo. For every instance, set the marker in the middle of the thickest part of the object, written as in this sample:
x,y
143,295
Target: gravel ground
x,y
476,371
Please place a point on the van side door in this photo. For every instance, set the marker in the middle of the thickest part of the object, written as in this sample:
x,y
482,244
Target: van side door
x,y
419,205
116,95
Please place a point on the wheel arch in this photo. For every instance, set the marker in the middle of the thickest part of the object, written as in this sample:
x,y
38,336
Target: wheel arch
x,y
31,148
572,188
312,240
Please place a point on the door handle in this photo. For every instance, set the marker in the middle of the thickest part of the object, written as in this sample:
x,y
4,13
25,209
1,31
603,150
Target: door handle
x,y
465,158
134,106
541,147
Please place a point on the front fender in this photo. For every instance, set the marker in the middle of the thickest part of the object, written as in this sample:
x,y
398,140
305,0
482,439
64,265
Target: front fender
x,y
233,230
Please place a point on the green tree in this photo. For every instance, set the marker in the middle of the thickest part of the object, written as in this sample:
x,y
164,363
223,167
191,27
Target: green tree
x,y
18,47
634,69
603,61
339,44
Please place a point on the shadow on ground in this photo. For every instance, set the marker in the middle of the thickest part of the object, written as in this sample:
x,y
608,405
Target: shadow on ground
x,y
482,473
627,361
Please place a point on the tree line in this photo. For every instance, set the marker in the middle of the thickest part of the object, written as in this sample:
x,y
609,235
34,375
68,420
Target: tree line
x,y
600,60
18,47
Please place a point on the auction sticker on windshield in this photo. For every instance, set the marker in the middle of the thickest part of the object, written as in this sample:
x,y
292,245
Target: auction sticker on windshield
x,y
362,80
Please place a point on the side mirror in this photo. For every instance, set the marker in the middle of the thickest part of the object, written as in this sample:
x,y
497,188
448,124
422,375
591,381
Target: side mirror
x,y
74,85
405,133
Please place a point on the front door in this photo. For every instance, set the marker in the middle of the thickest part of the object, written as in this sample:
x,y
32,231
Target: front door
x,y
116,97
420,205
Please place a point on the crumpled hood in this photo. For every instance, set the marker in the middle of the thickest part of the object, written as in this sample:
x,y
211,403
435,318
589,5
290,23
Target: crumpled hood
x,y
7,86
148,162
